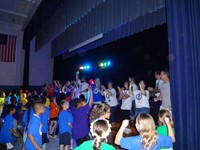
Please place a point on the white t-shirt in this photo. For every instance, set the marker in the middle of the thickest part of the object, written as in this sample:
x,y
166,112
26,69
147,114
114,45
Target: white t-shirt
x,y
127,103
159,84
111,100
83,86
165,94
140,99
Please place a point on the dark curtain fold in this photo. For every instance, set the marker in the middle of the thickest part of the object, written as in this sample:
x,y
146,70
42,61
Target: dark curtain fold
x,y
183,20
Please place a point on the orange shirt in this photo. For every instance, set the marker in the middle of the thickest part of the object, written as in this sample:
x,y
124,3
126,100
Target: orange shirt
x,y
53,110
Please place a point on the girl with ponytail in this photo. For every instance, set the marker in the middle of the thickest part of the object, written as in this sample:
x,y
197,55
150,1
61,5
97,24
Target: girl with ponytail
x,y
100,129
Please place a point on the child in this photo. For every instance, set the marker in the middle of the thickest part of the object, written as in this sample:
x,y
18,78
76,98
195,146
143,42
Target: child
x,y
54,110
148,138
7,128
65,120
100,111
100,130
162,130
34,140
26,118
44,119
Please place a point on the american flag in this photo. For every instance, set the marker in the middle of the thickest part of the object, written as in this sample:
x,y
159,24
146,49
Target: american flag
x,y
7,48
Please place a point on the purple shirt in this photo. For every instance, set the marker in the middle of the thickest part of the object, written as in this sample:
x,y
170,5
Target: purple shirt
x,y
80,124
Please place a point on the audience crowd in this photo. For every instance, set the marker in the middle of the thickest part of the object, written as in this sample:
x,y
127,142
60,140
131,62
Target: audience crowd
x,y
82,114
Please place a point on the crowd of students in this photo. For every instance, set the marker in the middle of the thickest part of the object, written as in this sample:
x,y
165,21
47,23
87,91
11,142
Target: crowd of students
x,y
81,115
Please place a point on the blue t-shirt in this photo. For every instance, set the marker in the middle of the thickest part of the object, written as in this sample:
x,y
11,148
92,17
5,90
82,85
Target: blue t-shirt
x,y
5,134
97,97
25,116
134,142
64,118
44,119
34,128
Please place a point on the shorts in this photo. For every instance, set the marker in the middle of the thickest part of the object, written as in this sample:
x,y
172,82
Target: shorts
x,y
54,119
64,138
44,138
9,145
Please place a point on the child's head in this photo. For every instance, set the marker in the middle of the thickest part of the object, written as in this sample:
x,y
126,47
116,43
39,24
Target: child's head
x,y
38,108
64,104
147,129
13,100
100,111
100,130
52,98
165,113
77,103
11,109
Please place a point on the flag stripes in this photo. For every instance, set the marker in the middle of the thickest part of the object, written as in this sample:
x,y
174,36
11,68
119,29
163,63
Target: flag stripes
x,y
8,48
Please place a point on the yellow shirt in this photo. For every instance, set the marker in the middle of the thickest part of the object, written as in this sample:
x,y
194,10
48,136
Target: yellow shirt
x,y
47,102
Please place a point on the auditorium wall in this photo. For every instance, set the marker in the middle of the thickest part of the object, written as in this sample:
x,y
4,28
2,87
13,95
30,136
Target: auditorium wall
x,y
11,74
40,64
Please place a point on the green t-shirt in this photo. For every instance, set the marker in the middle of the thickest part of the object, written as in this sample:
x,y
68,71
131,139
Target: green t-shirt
x,y
162,130
88,145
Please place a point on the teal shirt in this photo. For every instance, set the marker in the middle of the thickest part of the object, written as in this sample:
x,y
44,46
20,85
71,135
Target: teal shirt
x,y
88,145
162,130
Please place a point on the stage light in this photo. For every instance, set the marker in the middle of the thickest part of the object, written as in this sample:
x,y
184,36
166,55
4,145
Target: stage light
x,y
85,67
105,64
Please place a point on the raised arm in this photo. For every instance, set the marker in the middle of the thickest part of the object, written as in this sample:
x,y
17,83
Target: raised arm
x,y
91,97
120,132
170,131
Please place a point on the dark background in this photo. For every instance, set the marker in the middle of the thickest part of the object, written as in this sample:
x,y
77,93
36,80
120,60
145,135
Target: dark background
x,y
138,55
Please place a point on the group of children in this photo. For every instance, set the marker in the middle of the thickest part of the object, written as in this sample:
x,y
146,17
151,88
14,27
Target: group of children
x,y
84,123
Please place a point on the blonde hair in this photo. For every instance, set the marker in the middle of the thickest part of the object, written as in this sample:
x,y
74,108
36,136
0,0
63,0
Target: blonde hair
x,y
98,111
147,129
165,113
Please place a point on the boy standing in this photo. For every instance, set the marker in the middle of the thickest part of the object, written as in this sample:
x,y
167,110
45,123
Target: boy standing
x,y
34,140
7,128
45,119
65,120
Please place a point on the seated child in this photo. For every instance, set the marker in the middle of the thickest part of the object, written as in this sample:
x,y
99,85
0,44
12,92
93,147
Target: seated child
x,y
34,139
162,130
148,138
7,128
100,130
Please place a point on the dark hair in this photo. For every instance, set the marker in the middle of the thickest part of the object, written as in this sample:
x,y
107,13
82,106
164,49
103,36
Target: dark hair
x,y
132,78
76,101
99,127
1,93
157,72
44,93
110,82
42,100
13,99
52,98
82,97
10,108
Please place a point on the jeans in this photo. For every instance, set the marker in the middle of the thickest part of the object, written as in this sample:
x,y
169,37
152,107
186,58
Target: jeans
x,y
145,110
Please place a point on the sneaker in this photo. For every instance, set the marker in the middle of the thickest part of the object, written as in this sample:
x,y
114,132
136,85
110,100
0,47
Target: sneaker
x,y
9,145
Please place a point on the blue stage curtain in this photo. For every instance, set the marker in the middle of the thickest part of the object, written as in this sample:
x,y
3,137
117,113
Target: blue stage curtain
x,y
183,20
